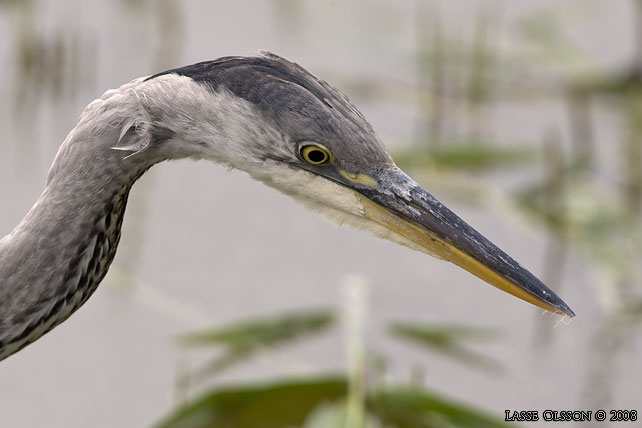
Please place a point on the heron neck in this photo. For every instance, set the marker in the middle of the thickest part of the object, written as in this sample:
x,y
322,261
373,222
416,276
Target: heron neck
x,y
56,257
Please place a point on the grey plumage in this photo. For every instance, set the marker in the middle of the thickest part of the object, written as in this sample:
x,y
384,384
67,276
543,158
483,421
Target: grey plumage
x,y
55,258
253,114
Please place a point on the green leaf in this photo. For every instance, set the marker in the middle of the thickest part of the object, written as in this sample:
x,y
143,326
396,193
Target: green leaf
x,y
320,403
261,332
280,405
333,415
469,155
447,340
242,340
415,408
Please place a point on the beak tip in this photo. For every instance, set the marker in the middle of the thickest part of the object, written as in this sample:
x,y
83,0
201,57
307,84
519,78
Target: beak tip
x,y
563,309
568,312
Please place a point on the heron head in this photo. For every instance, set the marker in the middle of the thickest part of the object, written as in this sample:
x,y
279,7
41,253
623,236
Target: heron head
x,y
296,133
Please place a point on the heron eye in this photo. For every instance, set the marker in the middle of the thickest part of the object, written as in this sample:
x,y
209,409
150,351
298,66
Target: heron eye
x,y
315,155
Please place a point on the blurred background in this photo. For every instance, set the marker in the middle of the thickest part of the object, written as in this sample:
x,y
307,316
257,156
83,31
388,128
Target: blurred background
x,y
229,305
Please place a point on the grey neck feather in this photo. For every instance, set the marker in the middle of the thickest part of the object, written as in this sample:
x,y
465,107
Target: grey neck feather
x,y
56,257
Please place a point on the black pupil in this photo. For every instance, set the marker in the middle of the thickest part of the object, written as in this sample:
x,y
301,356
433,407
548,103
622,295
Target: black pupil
x,y
316,156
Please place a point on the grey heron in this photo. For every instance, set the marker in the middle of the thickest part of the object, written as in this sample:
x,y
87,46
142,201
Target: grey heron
x,y
263,115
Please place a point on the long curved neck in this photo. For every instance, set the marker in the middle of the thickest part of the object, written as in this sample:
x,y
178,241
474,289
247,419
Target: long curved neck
x,y
56,257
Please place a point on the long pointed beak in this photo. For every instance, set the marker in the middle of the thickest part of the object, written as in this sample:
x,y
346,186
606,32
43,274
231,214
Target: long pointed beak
x,y
395,201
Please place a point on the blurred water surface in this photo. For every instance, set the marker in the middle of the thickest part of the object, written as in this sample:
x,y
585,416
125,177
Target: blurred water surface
x,y
203,246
